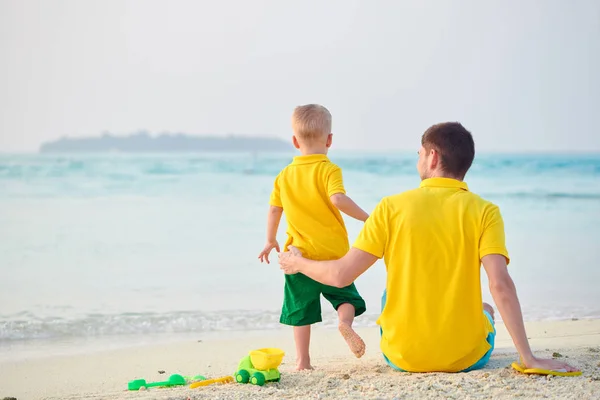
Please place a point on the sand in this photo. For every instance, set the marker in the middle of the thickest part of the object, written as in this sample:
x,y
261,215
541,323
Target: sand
x,y
338,374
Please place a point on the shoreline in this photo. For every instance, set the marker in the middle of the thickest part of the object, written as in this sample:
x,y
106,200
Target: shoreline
x,y
27,349
104,374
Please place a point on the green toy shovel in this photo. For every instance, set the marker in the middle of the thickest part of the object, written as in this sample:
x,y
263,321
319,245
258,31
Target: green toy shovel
x,y
174,380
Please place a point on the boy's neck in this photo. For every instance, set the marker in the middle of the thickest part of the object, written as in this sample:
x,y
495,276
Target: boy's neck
x,y
310,152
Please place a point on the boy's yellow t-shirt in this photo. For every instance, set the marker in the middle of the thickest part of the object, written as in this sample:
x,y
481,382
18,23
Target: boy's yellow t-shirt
x,y
303,189
432,240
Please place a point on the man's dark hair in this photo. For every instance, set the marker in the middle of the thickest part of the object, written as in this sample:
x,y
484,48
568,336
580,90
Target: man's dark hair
x,y
455,146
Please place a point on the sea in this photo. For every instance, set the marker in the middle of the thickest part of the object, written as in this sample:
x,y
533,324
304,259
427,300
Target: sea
x,y
98,251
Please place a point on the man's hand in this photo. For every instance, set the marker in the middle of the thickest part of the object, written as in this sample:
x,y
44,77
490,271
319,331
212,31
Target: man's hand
x,y
264,255
288,261
549,364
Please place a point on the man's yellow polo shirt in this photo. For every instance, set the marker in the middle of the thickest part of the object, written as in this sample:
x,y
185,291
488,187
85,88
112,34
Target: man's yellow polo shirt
x,y
315,226
432,240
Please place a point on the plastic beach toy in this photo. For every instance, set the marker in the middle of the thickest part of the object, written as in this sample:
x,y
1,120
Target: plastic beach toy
x,y
224,379
559,372
174,380
260,366
191,379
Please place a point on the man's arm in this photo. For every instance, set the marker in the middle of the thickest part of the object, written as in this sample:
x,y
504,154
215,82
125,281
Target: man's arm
x,y
338,273
504,293
273,219
368,248
346,205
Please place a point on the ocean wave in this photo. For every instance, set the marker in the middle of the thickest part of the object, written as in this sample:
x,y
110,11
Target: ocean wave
x,y
28,327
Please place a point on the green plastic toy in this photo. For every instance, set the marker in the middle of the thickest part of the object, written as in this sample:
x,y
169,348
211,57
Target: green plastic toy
x,y
260,367
174,380
196,378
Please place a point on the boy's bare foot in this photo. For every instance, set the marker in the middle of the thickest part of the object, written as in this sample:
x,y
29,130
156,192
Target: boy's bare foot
x,y
302,366
354,341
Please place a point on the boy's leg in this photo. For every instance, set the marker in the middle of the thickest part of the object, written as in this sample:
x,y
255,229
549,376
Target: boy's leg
x,y
346,313
301,308
302,339
349,304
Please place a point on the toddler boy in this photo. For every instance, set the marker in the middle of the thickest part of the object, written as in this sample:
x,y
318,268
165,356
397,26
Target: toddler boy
x,y
311,192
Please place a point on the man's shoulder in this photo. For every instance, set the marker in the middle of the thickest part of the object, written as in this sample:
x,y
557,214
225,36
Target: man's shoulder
x,y
396,201
479,208
482,202
401,197
416,194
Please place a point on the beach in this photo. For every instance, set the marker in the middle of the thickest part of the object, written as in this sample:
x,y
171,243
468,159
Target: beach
x,y
152,153
338,374
115,267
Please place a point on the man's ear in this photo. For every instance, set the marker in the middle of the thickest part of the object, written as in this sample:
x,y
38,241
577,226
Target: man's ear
x,y
295,142
329,140
434,159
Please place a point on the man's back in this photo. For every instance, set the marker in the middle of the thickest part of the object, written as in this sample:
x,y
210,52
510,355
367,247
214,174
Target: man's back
x,y
435,238
303,189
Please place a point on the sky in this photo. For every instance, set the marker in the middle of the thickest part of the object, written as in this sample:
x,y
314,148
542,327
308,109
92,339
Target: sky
x,y
518,74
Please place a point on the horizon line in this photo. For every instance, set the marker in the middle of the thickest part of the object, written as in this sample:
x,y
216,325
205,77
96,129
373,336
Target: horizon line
x,y
346,150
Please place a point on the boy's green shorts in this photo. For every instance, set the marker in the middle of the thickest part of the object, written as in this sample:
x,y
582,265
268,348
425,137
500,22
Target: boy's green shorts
x,y
302,300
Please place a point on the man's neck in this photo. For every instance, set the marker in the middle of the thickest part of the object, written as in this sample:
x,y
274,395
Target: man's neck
x,y
442,174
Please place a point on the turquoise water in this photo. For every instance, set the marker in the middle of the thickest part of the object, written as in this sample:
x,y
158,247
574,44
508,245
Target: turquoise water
x,y
115,245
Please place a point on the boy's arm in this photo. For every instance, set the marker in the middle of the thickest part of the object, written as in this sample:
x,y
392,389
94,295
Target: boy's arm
x,y
273,219
346,205
504,293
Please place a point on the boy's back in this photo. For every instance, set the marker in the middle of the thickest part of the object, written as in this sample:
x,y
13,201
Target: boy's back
x,y
303,189
311,191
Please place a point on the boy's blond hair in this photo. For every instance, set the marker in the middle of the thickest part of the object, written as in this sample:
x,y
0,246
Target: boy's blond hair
x,y
311,121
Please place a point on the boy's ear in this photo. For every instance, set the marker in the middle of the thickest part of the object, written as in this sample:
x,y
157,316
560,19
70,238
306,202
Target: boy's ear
x,y
295,142
329,140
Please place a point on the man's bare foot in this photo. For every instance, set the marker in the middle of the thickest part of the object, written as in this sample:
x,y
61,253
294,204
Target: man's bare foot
x,y
354,341
490,310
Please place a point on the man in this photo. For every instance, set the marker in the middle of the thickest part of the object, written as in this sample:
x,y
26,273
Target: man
x,y
433,240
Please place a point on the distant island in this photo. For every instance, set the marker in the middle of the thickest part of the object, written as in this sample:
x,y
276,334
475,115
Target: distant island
x,y
143,142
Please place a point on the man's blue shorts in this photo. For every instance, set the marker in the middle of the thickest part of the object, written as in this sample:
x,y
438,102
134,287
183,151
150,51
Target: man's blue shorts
x,y
491,338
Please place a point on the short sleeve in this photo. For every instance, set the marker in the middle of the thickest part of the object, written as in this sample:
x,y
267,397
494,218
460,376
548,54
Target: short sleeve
x,y
335,182
275,199
373,237
492,239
